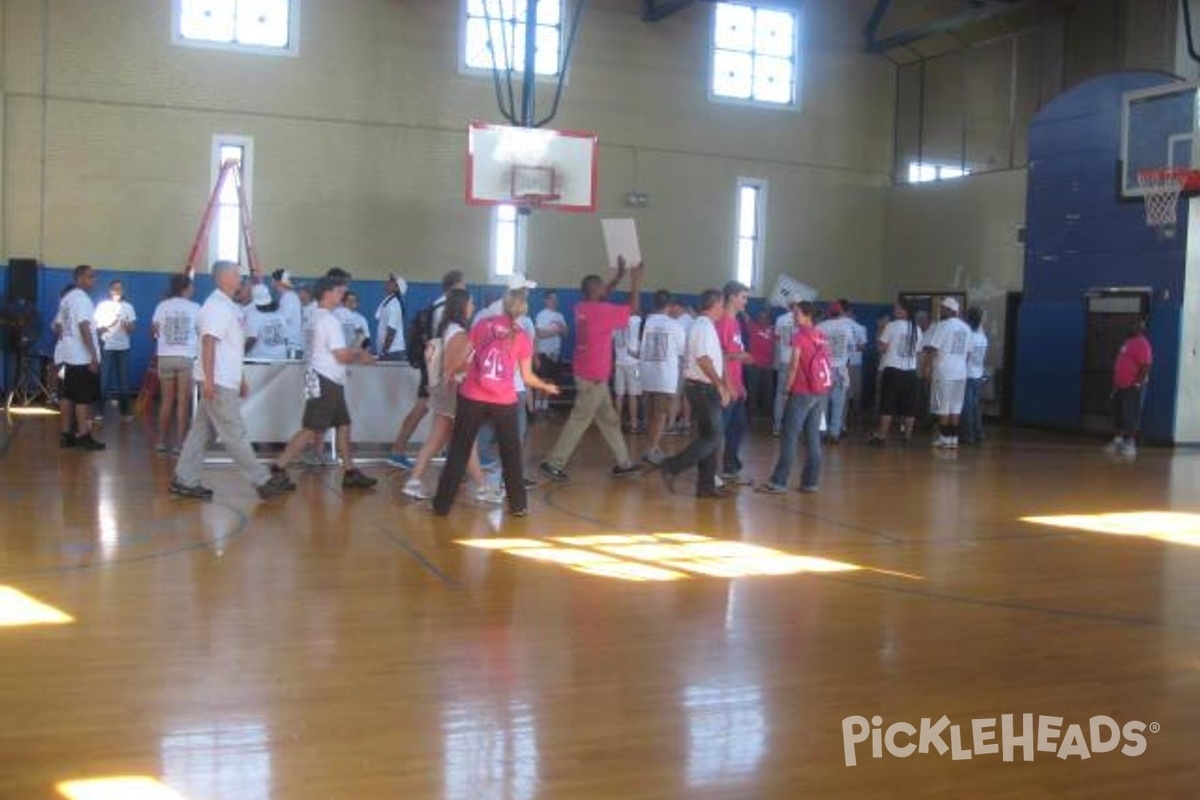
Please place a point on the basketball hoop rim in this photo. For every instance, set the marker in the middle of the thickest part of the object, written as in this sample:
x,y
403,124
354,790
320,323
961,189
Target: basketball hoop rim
x,y
536,200
1189,179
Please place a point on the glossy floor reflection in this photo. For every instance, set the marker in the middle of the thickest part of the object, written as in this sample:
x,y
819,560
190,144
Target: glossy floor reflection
x,y
330,645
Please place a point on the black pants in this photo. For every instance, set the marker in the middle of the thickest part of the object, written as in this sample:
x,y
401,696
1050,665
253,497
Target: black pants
x,y
701,452
760,391
1127,411
469,417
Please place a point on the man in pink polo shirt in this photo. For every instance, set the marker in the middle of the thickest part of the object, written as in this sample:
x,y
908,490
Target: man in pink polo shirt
x,y
1130,375
596,320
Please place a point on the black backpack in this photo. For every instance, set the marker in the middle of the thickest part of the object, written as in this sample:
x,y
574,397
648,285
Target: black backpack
x,y
418,334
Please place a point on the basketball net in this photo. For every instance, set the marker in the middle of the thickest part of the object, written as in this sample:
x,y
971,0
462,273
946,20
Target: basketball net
x,y
1160,191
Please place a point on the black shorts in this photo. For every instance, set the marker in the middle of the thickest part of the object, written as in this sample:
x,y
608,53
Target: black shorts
x,y
898,393
548,369
327,411
81,385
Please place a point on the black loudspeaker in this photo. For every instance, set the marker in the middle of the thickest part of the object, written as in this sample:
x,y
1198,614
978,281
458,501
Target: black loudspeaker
x,y
23,280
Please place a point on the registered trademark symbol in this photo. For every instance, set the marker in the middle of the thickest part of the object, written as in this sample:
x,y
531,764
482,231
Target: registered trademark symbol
x,y
1155,727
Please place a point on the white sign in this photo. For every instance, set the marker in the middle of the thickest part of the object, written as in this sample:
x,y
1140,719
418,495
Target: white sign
x,y
620,239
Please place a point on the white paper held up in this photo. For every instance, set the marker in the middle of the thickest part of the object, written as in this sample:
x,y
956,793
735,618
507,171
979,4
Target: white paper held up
x,y
620,239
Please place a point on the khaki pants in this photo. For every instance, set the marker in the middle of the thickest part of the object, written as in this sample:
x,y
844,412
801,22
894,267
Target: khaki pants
x,y
592,404
221,416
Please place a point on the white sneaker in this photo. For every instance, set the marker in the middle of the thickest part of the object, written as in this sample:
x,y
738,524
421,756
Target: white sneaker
x,y
490,494
953,445
942,442
717,481
1114,447
414,489
1128,450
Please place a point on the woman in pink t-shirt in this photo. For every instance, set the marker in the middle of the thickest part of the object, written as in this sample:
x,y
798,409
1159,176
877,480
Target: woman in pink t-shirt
x,y
488,392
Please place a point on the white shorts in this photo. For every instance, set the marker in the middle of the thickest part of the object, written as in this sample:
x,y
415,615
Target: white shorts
x,y
627,380
947,397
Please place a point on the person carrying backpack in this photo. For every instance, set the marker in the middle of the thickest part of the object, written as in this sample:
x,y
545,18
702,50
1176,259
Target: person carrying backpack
x,y
809,379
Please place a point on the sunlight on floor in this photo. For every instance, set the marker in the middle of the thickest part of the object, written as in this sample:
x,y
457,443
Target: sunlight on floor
x,y
1166,526
18,608
660,556
120,788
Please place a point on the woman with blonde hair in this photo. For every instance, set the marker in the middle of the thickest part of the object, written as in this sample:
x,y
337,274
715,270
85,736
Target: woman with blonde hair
x,y
173,327
450,354
499,347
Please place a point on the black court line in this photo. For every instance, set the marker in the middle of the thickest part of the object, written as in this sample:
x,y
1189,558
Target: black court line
x,y
419,557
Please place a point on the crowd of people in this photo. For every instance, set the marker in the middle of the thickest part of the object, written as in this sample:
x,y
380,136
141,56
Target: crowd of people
x,y
706,370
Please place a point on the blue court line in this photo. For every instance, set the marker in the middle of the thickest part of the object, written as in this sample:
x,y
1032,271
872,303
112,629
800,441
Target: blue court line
x,y
421,559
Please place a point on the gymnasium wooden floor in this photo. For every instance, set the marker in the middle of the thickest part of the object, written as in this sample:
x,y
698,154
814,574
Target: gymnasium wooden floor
x,y
325,645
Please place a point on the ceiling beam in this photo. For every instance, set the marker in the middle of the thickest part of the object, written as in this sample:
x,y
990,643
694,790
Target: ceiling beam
x,y
657,10
975,11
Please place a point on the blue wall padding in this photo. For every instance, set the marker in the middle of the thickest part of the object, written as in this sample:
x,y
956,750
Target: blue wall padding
x,y
1081,234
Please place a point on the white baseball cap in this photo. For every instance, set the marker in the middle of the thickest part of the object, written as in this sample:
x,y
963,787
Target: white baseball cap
x,y
950,303
518,281
283,276
401,284
261,295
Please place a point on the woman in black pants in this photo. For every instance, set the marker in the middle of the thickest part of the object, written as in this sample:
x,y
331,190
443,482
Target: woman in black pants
x,y
500,347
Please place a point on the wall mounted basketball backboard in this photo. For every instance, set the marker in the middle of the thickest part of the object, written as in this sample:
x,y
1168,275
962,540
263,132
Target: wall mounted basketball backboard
x,y
531,167
1159,128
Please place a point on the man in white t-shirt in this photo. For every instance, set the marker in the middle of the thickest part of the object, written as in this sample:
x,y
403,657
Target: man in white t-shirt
x,y
839,335
291,308
115,318
265,326
222,385
325,407
663,345
948,343
854,401
551,329
680,419
627,379
81,357
785,327
972,413
358,333
389,334
704,371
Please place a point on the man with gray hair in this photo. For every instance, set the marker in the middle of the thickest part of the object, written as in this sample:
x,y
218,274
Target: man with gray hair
x,y
218,372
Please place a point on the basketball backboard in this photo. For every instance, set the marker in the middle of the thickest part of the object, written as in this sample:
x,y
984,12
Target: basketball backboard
x,y
531,167
1159,128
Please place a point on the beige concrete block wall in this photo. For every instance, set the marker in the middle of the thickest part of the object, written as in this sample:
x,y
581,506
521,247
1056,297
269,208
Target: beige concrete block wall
x,y
358,142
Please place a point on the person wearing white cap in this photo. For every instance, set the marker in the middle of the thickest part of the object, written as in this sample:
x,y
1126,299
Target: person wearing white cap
x,y
948,344
389,335
266,327
290,307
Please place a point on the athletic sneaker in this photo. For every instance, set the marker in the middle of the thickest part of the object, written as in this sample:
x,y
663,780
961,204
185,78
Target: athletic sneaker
x,y
653,456
876,440
399,461
770,488
66,440
553,472
414,489
357,479
735,479
490,494
720,484
625,470
1128,450
280,475
1114,447
440,458
809,489
276,485
942,442
198,491
88,443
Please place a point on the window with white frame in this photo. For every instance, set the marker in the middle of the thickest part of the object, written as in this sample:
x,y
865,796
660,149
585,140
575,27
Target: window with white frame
x,y
919,172
506,242
751,211
265,26
755,54
226,237
505,48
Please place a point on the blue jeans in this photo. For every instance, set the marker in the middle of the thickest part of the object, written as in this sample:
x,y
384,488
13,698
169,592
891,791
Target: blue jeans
x,y
488,453
701,452
972,412
803,414
734,421
781,395
115,375
837,402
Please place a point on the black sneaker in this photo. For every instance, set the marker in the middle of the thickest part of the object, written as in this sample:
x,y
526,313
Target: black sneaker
x,y
625,470
357,479
66,440
553,473
523,511
88,443
530,483
275,486
183,490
